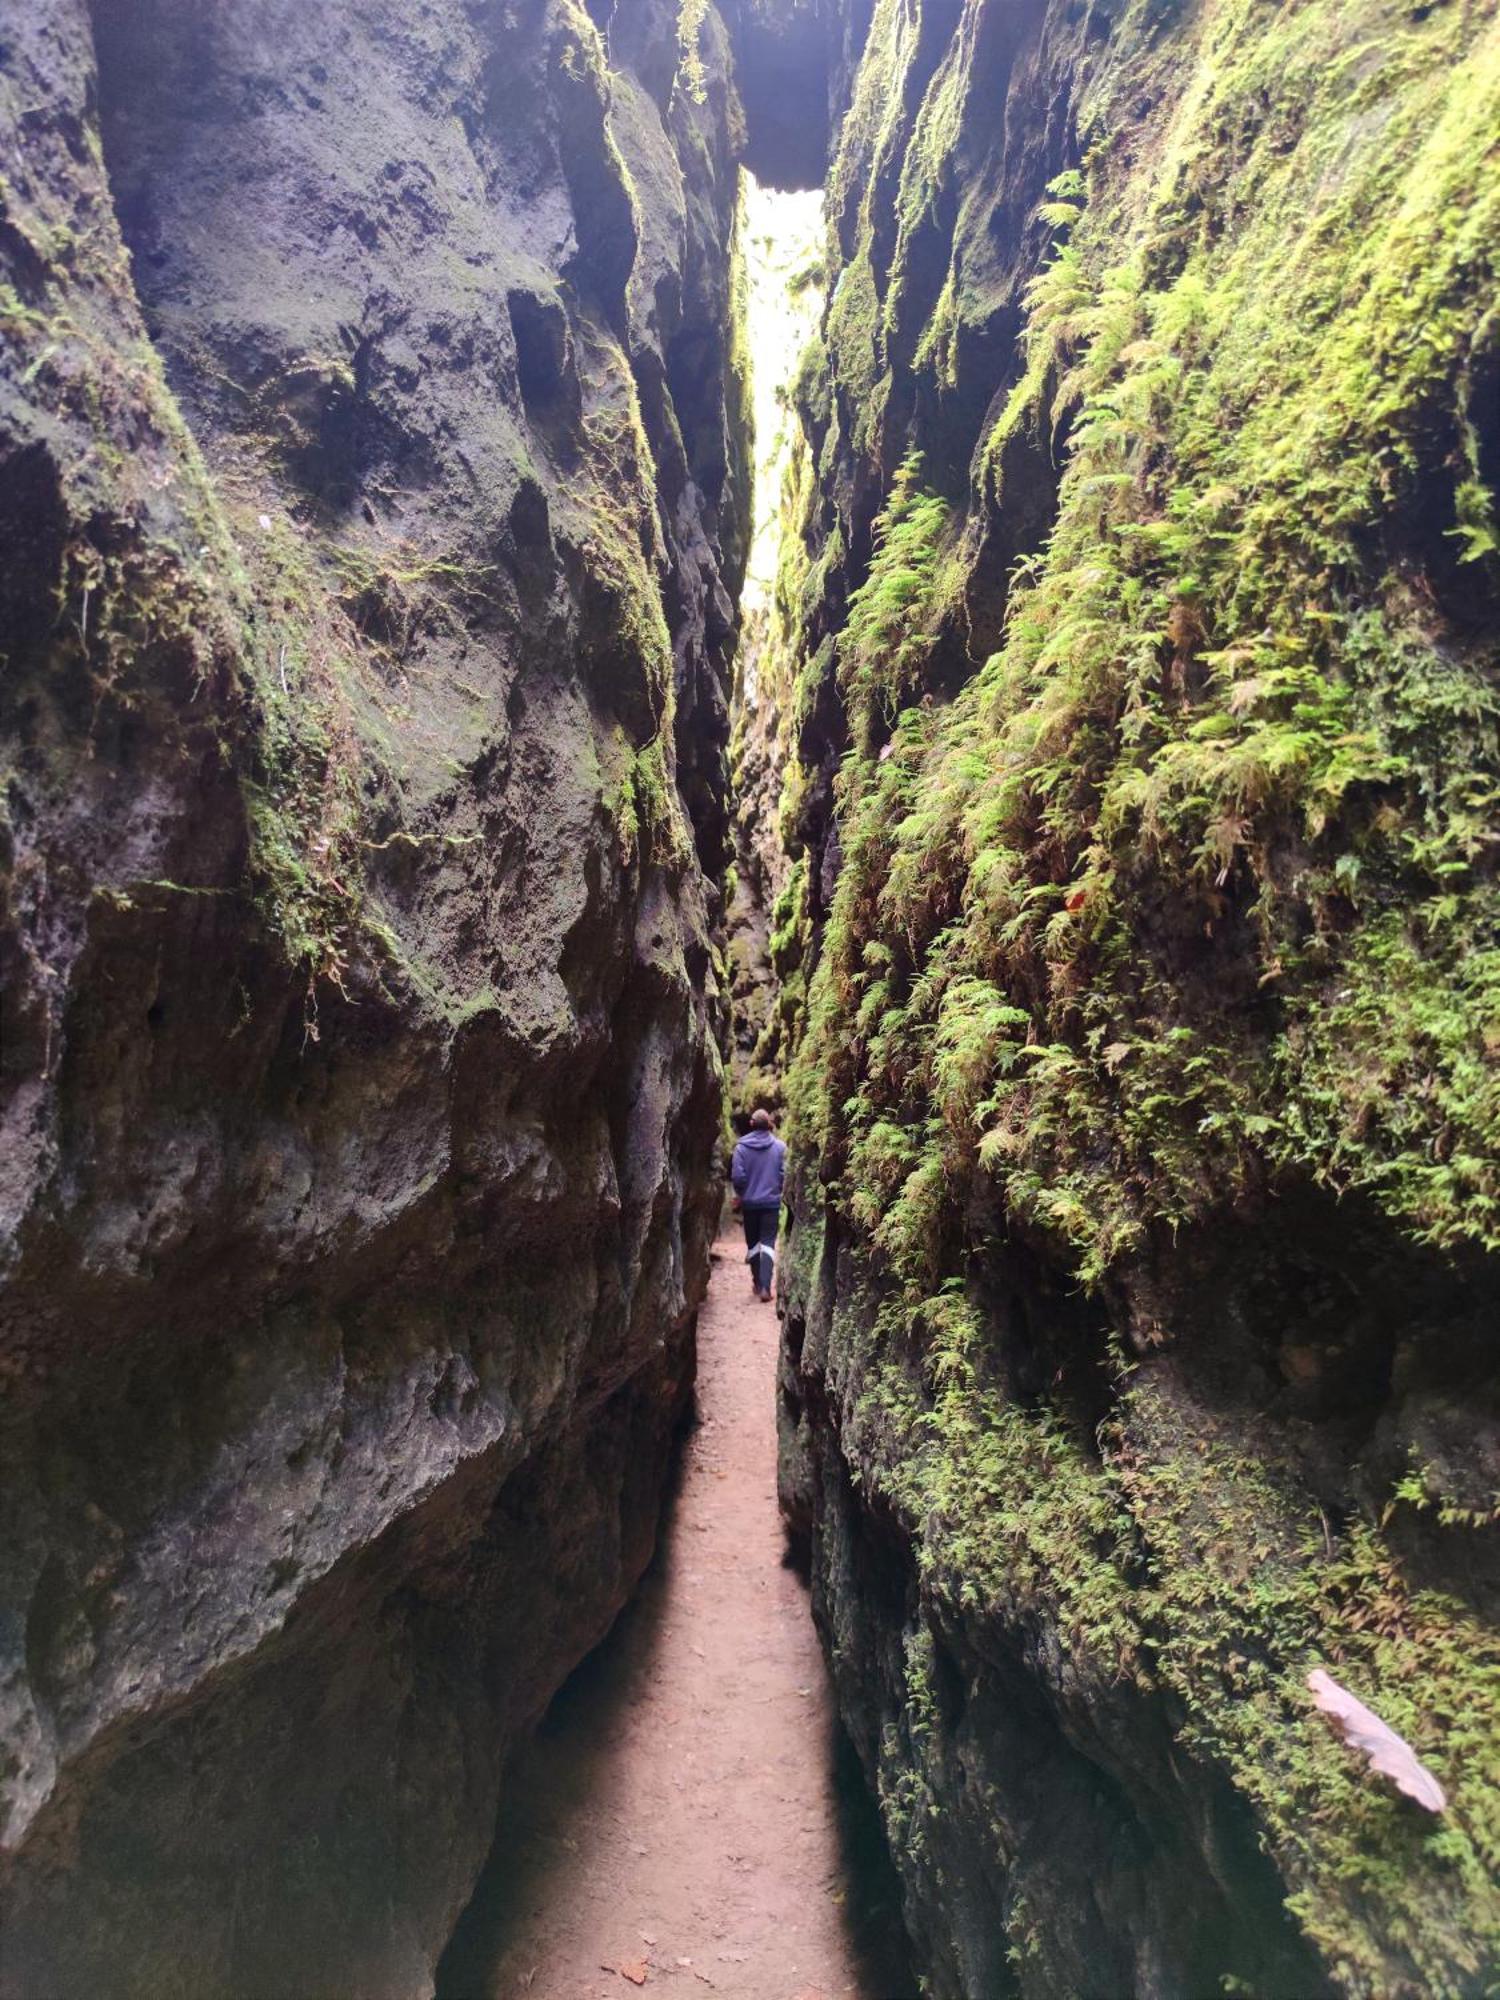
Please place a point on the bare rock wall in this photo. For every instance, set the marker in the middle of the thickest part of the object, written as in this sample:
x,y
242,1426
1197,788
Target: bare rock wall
x,y
372,474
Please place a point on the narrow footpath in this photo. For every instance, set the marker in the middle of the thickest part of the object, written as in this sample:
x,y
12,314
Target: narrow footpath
x,y
684,1822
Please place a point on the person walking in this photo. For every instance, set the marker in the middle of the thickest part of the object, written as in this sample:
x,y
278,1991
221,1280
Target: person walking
x,y
756,1174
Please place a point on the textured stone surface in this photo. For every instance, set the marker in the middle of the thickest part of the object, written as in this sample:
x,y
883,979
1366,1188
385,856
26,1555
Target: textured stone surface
x,y
371,472
1145,1219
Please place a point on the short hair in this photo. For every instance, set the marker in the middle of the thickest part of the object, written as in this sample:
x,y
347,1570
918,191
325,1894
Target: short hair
x,y
761,1119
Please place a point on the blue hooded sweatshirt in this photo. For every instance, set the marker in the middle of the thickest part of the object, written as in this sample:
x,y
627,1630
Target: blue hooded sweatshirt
x,y
758,1168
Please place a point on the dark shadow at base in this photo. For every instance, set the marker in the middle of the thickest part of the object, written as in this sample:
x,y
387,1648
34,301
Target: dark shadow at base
x,y
872,1896
552,1777
797,1557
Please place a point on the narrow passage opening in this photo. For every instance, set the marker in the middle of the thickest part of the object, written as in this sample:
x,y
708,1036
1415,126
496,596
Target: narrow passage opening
x,y
690,1816
783,239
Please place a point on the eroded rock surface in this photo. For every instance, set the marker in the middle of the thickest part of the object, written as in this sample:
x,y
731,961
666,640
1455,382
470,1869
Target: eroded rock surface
x,y
1147,1211
374,506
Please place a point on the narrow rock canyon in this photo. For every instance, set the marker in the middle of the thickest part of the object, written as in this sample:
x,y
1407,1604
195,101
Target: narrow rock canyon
x,y
568,571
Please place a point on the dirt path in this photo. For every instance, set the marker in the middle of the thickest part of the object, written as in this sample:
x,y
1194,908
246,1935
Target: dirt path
x,y
679,1820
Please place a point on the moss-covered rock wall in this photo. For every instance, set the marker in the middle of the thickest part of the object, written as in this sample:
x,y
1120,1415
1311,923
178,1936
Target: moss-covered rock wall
x,y
1145,1255
372,510
374,495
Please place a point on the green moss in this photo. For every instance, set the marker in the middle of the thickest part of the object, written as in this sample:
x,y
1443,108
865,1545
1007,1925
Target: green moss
x,y
890,626
691,76
617,496
1246,1589
1319,725
1191,891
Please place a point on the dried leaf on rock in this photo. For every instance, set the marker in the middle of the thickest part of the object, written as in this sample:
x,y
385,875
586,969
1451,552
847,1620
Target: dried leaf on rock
x,y
1388,1753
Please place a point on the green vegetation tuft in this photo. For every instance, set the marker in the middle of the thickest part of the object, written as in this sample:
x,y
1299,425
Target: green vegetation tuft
x,y
889,629
691,77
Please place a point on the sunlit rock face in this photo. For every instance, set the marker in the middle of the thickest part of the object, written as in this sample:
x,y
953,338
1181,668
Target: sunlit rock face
x,y
374,500
1140,970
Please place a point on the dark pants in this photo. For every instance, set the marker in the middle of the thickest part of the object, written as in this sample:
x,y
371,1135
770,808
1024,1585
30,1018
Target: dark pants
x,y
760,1244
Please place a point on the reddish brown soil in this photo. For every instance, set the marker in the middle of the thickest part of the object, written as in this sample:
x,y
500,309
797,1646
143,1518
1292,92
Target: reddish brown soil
x,y
681,1817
